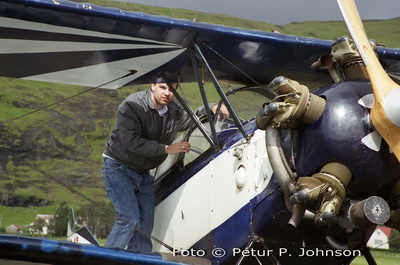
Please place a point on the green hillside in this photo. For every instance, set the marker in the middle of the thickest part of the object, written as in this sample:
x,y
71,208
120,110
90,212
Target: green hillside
x,y
385,32
66,140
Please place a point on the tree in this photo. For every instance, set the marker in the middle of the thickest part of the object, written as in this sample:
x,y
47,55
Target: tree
x,y
38,225
99,219
60,224
394,240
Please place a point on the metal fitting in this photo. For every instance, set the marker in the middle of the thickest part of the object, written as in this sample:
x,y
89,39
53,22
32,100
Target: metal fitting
x,y
344,61
327,187
293,105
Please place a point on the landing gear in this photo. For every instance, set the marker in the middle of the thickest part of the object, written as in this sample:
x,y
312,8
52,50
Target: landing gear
x,y
250,252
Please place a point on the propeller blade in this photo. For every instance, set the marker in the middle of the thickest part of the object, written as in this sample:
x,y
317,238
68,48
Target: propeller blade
x,y
385,113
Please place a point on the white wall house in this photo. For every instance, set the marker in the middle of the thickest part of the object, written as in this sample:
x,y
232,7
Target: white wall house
x,y
13,229
380,238
47,218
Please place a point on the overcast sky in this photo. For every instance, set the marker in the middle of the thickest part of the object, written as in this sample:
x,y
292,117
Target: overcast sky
x,y
280,12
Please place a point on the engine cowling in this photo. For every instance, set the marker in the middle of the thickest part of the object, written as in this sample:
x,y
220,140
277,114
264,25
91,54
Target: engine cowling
x,y
337,136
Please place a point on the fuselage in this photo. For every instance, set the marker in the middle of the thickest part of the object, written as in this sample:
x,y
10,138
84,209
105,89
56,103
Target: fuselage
x,y
223,199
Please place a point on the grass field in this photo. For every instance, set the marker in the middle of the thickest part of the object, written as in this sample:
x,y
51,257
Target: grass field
x,y
22,215
381,257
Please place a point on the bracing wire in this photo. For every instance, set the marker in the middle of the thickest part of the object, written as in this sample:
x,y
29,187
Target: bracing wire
x,y
58,181
52,104
233,65
68,98
83,196
387,242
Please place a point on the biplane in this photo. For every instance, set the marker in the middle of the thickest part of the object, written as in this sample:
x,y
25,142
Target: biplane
x,y
305,179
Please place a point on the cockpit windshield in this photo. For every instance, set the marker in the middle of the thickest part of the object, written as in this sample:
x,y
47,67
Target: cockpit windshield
x,y
246,103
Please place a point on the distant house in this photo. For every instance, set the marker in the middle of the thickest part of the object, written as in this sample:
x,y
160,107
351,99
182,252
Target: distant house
x,y
13,229
41,224
80,235
380,238
83,236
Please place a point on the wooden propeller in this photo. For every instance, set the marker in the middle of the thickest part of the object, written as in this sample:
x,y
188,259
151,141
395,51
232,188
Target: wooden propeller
x,y
385,113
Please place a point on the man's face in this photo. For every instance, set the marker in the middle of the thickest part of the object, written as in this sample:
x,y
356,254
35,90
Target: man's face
x,y
161,94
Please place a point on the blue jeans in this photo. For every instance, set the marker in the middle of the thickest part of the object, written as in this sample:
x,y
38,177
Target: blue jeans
x,y
132,195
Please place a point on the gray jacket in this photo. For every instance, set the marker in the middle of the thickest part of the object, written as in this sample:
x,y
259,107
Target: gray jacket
x,y
138,139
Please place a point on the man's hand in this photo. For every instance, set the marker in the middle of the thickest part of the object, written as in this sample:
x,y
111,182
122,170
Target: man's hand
x,y
179,147
223,112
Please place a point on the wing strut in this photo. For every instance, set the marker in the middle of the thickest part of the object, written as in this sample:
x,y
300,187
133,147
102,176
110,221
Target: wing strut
x,y
204,96
194,118
220,91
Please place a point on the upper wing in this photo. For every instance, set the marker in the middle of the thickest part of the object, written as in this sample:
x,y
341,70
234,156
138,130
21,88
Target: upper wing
x,y
83,44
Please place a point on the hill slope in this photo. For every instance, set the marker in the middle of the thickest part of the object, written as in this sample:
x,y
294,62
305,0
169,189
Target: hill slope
x,y
67,140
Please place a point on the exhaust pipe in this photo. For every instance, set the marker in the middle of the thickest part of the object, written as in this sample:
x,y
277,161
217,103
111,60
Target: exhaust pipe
x,y
326,61
284,175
